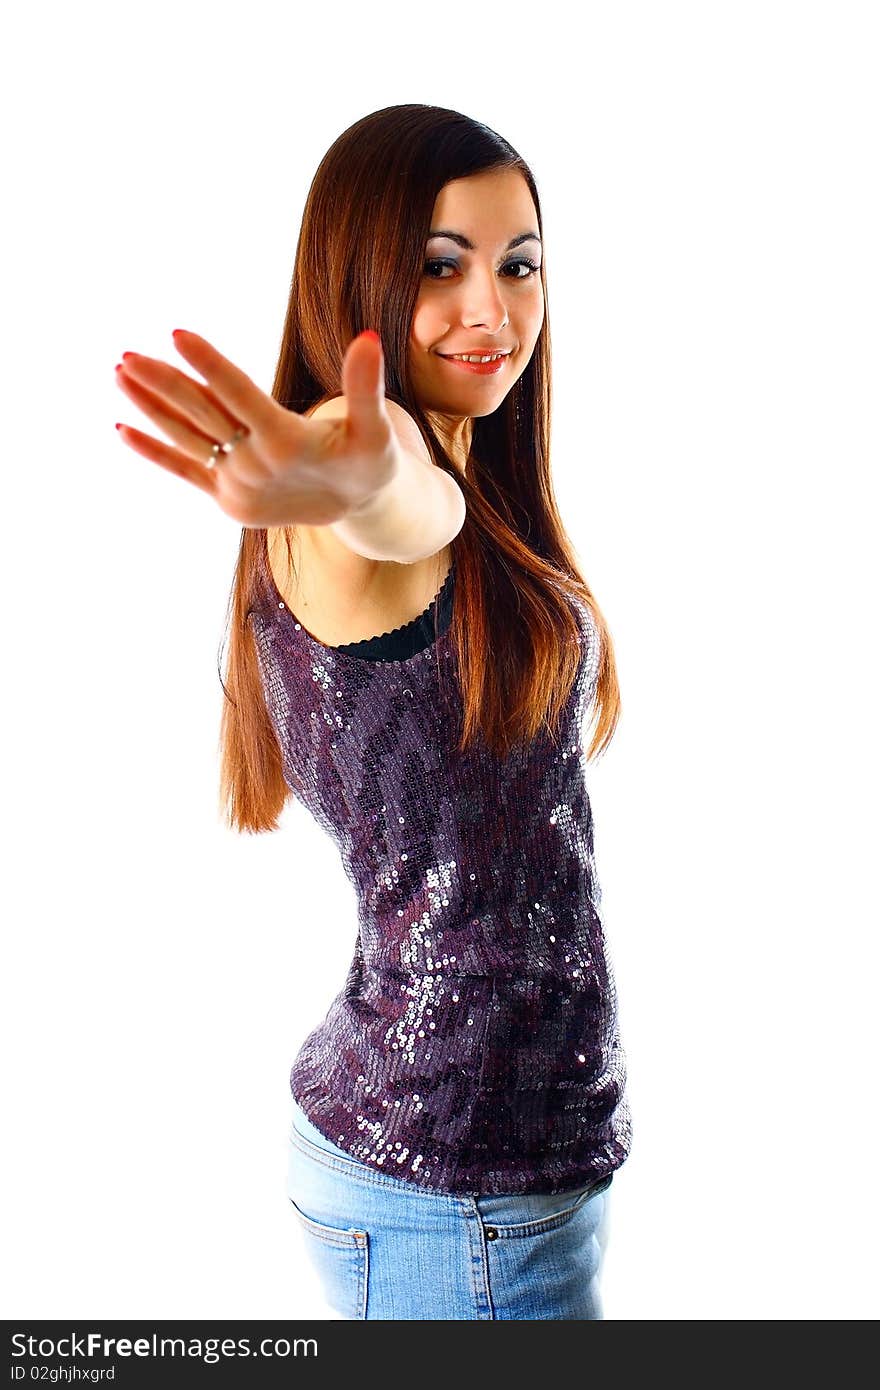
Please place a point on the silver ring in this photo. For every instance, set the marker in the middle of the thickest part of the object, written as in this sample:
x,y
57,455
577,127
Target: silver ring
x,y
225,448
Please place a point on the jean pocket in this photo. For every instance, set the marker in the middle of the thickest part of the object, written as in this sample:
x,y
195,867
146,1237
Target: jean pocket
x,y
546,1265
567,1207
341,1259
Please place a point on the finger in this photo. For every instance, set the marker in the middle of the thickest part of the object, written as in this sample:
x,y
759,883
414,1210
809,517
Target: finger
x,y
363,384
175,425
170,459
231,386
171,390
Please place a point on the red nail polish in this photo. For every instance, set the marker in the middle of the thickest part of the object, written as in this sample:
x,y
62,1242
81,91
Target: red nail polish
x,y
368,333
127,354
120,427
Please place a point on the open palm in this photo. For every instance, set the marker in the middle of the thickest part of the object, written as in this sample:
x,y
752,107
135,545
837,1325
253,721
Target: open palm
x,y
287,468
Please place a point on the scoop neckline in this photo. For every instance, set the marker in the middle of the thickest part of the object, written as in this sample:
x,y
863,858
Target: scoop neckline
x,y
337,652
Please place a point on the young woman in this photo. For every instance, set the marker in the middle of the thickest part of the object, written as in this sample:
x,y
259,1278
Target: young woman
x,y
412,654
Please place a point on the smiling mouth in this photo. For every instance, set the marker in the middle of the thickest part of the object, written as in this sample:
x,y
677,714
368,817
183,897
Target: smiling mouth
x,y
474,357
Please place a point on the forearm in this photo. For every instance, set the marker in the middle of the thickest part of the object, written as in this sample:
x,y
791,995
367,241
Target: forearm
x,y
415,515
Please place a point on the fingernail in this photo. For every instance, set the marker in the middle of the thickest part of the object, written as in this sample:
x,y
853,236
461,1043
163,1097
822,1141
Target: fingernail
x,y
120,427
127,354
368,333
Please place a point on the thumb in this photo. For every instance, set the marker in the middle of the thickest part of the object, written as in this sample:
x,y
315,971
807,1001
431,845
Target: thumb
x,y
363,385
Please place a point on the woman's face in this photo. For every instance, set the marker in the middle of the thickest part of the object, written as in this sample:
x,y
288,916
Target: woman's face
x,y
478,298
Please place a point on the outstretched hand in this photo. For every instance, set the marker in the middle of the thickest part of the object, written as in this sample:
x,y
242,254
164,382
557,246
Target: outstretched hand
x,y
287,468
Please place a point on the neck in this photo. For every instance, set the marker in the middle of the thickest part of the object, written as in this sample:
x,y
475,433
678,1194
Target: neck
x,y
455,431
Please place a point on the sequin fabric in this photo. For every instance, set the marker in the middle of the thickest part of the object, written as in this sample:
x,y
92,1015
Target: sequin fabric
x,y
474,1047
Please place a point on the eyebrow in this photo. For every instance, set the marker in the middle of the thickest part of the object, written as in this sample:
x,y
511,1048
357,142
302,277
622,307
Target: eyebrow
x,y
469,245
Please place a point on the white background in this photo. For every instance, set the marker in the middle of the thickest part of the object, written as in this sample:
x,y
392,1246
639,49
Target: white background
x,y
708,174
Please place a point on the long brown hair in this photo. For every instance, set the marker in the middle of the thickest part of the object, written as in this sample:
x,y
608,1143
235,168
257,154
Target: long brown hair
x,y
359,262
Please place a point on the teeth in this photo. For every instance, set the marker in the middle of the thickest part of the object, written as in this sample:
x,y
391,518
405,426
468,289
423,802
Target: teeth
x,y
471,357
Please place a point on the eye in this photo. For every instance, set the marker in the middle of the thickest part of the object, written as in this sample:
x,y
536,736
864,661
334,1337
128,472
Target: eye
x,y
531,268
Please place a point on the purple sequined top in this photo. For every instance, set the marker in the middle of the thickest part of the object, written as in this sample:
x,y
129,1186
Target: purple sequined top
x,y
474,1047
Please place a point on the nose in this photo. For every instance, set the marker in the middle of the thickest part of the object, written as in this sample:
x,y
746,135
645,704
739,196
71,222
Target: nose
x,y
484,305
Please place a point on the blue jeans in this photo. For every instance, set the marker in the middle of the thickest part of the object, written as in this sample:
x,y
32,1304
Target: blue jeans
x,y
385,1248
